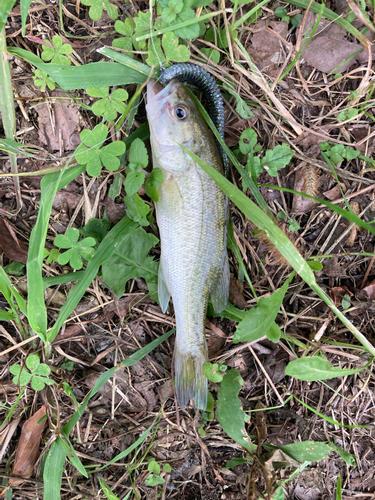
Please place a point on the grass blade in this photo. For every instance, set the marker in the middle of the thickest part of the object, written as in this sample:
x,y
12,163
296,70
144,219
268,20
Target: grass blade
x,y
25,6
105,250
5,7
37,312
53,471
351,216
7,104
100,74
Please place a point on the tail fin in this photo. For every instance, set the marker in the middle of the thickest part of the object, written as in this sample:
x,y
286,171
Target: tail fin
x,y
190,379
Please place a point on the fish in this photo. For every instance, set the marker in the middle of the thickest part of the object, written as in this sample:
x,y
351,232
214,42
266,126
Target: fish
x,y
192,214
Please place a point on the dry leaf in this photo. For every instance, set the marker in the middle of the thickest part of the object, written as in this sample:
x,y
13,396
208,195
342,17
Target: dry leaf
x,y
266,49
329,47
370,290
12,247
236,295
352,236
337,293
59,123
306,181
28,447
335,193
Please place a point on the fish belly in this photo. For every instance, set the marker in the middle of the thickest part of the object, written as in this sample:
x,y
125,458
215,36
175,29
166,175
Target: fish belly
x,y
191,216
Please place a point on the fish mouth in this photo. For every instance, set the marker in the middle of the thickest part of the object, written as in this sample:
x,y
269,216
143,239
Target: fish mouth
x,y
158,97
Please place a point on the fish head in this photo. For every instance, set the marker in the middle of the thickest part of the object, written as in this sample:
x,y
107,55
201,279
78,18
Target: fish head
x,y
174,120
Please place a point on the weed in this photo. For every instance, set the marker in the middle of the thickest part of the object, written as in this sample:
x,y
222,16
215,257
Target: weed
x,y
42,80
55,54
97,7
76,249
94,155
272,161
38,374
110,104
154,479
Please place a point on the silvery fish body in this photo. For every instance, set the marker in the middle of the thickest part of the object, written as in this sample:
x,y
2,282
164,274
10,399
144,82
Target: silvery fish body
x,y
192,215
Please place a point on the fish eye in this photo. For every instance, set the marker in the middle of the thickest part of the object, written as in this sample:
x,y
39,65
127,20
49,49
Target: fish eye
x,y
181,112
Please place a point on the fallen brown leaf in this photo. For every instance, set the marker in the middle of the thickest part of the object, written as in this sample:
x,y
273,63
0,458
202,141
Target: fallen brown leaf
x,y
28,447
335,193
62,132
306,181
12,247
329,47
266,49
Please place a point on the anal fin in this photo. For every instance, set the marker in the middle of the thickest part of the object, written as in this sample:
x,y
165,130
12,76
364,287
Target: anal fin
x,y
163,290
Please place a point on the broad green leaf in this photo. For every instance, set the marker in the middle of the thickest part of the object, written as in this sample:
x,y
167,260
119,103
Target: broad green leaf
x,y
229,411
133,182
187,32
138,156
248,141
137,209
153,466
274,333
212,54
96,228
131,260
43,370
309,451
212,372
174,51
155,53
316,368
277,158
260,319
153,480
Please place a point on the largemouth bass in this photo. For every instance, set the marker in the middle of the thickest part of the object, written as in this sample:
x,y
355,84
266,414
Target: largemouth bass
x,y
192,215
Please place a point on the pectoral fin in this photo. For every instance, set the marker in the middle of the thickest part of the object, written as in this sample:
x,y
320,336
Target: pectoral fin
x,y
220,293
163,290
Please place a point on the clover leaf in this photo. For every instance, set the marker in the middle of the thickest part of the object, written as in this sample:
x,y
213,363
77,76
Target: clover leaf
x,y
173,51
38,376
169,14
42,80
76,248
56,53
109,105
125,28
96,9
93,155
